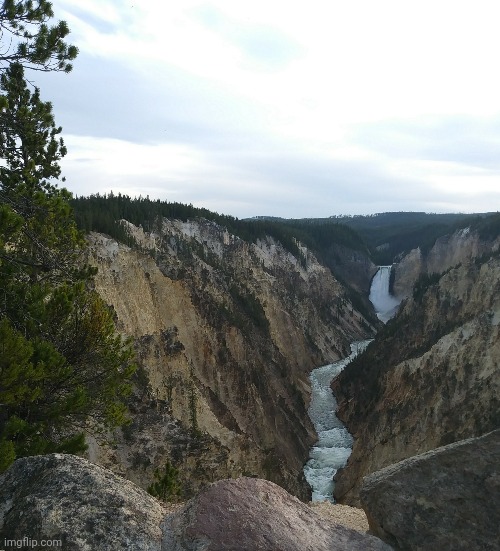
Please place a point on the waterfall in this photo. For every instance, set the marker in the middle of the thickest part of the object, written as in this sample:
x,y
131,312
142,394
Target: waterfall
x,y
384,303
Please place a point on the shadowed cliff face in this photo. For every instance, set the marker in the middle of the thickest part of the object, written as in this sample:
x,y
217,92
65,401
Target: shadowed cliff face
x,y
226,333
431,377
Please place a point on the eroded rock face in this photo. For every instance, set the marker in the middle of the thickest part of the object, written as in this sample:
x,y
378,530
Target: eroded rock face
x,y
446,499
226,333
448,251
430,378
256,515
66,499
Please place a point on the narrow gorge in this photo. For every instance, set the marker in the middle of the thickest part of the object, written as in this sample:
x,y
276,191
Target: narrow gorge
x,y
226,333
334,445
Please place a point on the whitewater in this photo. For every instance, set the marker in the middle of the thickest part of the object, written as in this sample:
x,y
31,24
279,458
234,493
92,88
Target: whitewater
x,y
384,303
334,445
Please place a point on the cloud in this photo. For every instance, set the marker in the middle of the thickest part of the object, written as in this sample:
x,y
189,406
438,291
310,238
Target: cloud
x,y
266,47
459,138
106,100
269,107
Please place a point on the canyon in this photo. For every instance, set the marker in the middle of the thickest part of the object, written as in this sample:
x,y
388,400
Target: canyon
x,y
226,332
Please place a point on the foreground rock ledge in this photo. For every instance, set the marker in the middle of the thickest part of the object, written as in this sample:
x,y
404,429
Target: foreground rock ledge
x,y
445,499
253,514
86,507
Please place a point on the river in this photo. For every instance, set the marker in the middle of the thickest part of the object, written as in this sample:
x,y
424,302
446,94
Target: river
x,y
334,444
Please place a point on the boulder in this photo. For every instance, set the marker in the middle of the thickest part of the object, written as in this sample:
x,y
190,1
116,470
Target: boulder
x,y
73,504
253,515
446,499
66,502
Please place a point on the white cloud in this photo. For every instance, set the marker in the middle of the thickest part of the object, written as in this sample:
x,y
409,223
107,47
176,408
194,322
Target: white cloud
x,y
357,96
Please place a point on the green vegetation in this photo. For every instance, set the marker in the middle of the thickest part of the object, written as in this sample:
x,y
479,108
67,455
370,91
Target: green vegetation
x,y
102,213
61,363
392,233
29,41
322,233
488,227
382,237
166,485
385,236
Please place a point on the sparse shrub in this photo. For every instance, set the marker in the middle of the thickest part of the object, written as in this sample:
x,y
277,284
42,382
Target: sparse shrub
x,y
166,485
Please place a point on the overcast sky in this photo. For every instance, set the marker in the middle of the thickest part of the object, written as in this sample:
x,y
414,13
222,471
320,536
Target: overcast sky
x,y
281,108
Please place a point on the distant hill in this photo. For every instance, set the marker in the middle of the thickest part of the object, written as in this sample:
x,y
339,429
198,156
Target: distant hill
x,y
392,233
389,234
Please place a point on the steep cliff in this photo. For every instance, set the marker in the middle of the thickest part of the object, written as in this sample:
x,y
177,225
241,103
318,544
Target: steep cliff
x,y
226,332
448,251
431,377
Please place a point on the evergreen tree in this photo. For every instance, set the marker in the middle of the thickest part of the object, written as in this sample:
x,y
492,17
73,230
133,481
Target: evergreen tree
x,y
27,38
61,363
166,485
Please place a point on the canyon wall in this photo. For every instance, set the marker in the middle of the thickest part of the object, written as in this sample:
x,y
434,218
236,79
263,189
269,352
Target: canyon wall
x,y
432,375
226,332
448,251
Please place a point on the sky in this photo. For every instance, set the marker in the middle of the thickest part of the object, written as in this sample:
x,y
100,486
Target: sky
x,y
288,109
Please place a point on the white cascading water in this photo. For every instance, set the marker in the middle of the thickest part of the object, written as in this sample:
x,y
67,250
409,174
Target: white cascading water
x,y
333,447
384,303
331,451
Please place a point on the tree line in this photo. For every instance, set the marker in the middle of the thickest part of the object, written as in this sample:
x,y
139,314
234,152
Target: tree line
x,y
102,213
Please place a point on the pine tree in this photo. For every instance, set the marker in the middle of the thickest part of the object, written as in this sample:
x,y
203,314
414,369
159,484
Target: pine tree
x,y
29,40
63,369
166,485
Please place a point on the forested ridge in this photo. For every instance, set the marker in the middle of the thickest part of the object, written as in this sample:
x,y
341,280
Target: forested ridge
x,y
382,237
102,213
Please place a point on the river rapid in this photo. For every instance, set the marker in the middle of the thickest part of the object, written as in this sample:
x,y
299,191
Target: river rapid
x,y
334,445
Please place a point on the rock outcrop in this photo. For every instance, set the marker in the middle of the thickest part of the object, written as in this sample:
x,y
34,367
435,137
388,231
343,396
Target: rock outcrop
x,y
226,332
78,506
255,514
446,499
430,378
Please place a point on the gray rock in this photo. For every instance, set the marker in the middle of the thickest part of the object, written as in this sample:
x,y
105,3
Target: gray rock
x,y
78,506
445,499
65,498
250,514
